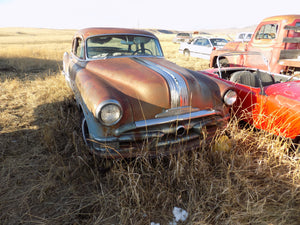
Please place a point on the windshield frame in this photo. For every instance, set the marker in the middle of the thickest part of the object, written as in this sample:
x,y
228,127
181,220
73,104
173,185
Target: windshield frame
x,y
237,53
156,41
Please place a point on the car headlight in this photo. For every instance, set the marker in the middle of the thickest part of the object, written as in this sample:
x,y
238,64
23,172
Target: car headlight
x,y
109,112
230,97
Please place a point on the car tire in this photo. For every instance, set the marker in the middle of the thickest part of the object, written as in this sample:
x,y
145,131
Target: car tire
x,y
186,52
223,63
103,165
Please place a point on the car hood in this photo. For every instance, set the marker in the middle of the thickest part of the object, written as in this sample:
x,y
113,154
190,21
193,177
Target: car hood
x,y
287,89
151,85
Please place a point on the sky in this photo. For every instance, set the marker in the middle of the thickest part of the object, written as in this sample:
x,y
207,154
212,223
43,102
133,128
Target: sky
x,y
162,14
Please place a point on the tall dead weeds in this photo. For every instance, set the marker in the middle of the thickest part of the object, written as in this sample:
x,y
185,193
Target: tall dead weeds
x,y
48,175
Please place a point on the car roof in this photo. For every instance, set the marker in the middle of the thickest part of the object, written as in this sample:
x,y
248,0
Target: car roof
x,y
92,31
288,18
209,37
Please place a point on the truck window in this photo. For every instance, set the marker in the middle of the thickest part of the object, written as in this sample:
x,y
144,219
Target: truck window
x,y
268,31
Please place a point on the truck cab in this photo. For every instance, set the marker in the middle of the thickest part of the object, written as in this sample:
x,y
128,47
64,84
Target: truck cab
x,y
277,38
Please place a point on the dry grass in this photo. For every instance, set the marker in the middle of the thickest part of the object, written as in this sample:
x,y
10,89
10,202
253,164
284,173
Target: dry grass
x,y
48,177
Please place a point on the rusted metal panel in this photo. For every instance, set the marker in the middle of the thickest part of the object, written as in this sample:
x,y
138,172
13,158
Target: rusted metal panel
x,y
290,62
292,28
288,19
289,54
283,45
291,40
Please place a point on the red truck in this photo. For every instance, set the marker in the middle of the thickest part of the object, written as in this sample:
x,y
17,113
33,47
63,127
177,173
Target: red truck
x,y
277,38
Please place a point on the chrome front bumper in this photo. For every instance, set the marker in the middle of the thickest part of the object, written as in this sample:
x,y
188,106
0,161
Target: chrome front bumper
x,y
149,135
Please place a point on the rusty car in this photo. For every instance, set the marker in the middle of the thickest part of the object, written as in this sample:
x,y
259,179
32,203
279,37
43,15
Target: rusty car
x,y
268,101
133,101
277,37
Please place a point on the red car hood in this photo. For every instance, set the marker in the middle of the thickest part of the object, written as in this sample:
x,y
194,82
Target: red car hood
x,y
288,89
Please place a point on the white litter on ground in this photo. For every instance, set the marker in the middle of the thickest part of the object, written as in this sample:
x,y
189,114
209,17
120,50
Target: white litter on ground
x,y
179,215
152,223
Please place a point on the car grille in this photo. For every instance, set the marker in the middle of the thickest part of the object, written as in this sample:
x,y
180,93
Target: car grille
x,y
158,140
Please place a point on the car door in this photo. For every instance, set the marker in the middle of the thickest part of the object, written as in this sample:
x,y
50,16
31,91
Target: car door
x,y
266,42
247,104
77,57
202,48
207,48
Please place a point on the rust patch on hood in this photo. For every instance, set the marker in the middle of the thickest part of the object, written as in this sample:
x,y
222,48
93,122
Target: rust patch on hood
x,y
146,90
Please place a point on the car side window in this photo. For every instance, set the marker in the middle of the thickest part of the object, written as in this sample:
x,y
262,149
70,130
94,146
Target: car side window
x,y
202,42
267,31
241,36
206,43
78,49
198,42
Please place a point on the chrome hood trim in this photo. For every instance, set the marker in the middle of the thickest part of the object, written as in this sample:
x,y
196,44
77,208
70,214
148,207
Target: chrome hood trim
x,y
177,85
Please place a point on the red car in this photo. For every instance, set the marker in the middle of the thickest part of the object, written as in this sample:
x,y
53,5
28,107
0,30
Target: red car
x,y
269,101
133,101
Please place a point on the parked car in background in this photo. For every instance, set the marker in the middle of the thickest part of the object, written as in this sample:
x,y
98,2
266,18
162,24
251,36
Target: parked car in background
x,y
201,47
268,101
135,102
243,37
277,38
182,37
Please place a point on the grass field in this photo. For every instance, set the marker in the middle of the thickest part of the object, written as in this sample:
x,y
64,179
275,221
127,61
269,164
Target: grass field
x,y
48,176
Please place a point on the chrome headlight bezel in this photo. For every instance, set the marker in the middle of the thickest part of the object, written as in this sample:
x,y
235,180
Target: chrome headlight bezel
x,y
110,105
230,97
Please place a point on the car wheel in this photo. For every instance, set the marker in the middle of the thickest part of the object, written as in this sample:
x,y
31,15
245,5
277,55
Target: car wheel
x,y
186,52
103,165
85,131
223,63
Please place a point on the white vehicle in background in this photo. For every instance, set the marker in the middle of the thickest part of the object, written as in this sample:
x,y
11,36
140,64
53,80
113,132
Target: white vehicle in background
x,y
244,36
182,37
201,47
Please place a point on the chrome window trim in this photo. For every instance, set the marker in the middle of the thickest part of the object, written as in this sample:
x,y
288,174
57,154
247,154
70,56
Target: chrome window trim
x,y
119,34
123,56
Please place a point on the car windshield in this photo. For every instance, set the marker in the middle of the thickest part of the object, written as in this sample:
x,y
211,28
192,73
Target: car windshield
x,y
122,45
218,41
